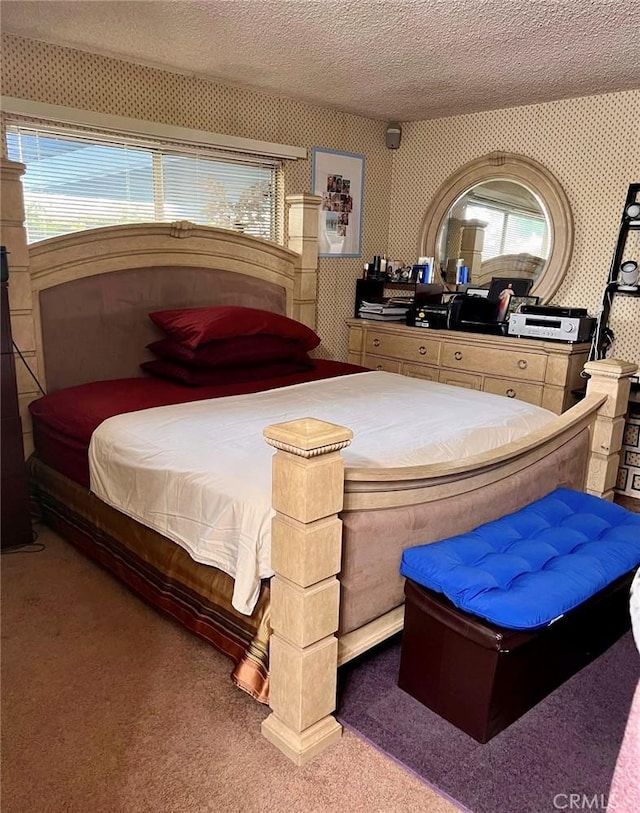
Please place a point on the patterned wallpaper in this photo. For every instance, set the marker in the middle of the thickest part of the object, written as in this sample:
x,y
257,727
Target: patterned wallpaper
x,y
590,144
55,75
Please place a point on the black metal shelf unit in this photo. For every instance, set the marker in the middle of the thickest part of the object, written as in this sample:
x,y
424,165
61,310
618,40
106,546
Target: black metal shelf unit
x,y
630,221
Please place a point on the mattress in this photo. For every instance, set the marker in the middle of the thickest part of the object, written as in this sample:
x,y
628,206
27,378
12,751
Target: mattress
x,y
200,473
64,421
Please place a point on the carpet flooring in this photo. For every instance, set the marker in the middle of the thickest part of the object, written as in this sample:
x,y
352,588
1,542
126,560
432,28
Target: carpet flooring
x,y
568,743
107,707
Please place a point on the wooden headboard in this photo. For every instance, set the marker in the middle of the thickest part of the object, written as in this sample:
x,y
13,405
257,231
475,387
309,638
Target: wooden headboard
x,y
93,290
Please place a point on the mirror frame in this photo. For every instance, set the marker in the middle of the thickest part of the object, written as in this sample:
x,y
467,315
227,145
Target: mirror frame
x,y
509,166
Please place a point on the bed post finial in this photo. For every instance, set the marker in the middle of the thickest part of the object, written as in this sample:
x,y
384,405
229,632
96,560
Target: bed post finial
x,y
609,377
306,548
303,239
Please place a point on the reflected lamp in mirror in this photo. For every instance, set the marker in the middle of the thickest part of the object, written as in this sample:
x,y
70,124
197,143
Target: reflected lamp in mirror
x,y
628,276
503,215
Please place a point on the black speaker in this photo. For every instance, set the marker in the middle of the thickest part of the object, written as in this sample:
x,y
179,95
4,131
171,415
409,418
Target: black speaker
x,y
394,132
4,265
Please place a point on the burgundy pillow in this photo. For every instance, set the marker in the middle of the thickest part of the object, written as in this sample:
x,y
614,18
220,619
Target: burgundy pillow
x,y
190,377
195,326
242,351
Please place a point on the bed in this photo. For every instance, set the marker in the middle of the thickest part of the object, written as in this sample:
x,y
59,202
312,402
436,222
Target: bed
x,y
338,532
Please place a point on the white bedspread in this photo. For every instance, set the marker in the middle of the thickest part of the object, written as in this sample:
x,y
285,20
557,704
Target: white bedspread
x,y
200,473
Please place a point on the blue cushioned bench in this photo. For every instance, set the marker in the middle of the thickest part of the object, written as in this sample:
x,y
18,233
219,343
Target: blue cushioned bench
x,y
498,617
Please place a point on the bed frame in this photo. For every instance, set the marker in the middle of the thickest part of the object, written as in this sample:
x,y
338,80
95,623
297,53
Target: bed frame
x,y
331,523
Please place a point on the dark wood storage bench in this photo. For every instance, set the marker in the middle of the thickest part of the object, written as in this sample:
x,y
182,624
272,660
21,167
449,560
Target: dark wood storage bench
x,y
482,677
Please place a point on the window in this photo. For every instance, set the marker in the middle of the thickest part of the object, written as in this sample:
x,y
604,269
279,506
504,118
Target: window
x,y
75,181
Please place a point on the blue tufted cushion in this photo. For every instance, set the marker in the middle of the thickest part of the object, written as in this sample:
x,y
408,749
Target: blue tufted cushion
x,y
530,567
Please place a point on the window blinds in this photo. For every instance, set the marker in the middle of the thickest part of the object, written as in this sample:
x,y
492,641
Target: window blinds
x,y
75,181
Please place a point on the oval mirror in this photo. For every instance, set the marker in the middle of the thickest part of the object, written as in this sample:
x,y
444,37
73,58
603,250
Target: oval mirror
x,y
503,215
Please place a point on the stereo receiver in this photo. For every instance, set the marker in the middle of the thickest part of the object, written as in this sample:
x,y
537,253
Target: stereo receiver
x,y
549,325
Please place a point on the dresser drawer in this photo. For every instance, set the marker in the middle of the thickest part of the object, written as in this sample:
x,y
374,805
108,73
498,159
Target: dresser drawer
x,y
420,371
510,363
460,379
378,363
531,393
403,347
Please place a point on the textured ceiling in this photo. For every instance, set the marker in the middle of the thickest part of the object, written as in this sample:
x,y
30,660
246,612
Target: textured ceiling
x,y
388,59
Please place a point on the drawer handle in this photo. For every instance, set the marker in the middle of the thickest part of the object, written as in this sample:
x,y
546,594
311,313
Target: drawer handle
x,y
511,393
422,351
376,342
457,355
522,364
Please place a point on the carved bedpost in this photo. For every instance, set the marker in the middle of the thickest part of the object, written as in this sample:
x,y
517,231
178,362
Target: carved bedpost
x,y
303,239
610,377
306,548
14,237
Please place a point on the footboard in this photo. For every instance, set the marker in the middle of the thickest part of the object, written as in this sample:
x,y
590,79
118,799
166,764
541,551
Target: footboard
x,y
314,497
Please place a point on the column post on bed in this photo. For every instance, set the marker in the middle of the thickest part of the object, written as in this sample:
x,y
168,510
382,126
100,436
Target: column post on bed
x,y
611,378
306,549
303,239
14,238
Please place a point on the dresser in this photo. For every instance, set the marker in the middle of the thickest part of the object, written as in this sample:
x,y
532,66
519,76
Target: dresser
x,y
541,372
14,489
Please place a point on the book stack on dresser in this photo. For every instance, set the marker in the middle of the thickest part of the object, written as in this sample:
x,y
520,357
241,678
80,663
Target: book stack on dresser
x,y
386,311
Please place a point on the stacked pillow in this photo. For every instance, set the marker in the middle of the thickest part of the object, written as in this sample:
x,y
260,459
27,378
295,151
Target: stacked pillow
x,y
228,344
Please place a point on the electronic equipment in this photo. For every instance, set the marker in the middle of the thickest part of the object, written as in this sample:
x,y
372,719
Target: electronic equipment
x,y
553,310
483,292
561,327
393,135
476,315
460,312
629,276
435,315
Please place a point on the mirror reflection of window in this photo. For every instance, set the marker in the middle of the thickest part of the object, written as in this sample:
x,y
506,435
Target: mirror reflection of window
x,y
497,221
509,231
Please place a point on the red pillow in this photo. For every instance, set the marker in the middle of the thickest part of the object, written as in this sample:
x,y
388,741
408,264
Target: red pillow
x,y
220,375
195,326
242,351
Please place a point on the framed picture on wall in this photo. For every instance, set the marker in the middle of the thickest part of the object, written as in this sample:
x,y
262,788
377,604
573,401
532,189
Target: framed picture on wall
x,y
338,178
